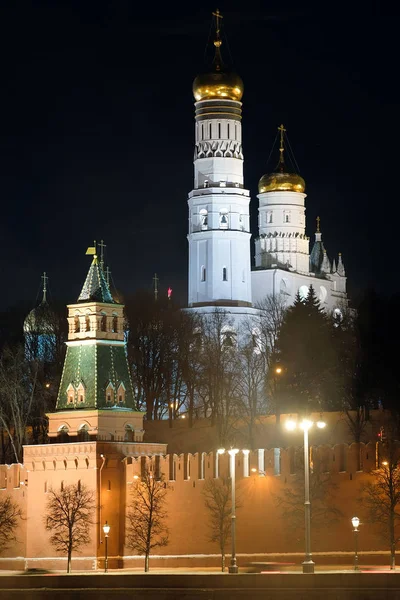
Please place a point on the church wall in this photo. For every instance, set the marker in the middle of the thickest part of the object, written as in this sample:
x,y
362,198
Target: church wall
x,y
275,281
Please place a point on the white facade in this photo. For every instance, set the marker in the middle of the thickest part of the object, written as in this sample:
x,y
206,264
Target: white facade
x,y
219,229
219,222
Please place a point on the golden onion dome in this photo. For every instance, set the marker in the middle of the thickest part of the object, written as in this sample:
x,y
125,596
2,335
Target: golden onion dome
x,y
218,84
281,182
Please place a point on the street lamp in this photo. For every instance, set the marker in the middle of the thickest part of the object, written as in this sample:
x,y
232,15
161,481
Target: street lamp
x,y
355,522
106,529
233,568
305,425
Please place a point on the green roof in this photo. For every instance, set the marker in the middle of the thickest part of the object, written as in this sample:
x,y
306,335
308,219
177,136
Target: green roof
x,y
95,288
95,366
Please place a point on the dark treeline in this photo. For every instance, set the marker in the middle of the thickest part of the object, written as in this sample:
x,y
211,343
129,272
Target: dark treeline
x,y
290,360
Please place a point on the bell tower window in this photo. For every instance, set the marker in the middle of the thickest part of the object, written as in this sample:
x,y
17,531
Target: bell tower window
x,y
103,323
223,219
203,273
115,324
76,324
224,274
204,219
87,323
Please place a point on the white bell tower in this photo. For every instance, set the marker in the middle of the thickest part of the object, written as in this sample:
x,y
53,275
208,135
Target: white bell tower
x,y
219,223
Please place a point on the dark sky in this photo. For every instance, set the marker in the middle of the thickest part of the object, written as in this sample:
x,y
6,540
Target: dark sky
x,y
96,136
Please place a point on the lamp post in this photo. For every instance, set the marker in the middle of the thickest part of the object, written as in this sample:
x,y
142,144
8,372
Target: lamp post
x,y
355,522
106,530
233,568
305,425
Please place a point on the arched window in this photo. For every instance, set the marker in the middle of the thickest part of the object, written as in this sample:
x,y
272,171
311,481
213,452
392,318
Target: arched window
x,y
223,219
70,394
87,322
103,324
129,434
228,127
210,130
115,324
76,324
121,393
63,434
224,274
236,131
219,130
303,292
204,219
110,394
202,273
81,393
83,433
202,132
228,336
269,217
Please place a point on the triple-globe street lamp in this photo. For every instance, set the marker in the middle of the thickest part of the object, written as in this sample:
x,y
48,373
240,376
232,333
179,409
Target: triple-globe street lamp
x,y
306,424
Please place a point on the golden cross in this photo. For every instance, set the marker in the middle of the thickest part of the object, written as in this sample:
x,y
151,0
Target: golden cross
x,y
217,16
282,129
318,223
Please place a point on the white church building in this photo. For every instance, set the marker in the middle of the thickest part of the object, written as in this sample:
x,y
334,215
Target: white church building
x,y
220,272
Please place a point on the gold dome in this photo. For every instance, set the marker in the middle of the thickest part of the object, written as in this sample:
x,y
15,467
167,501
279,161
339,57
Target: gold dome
x,y
218,85
281,182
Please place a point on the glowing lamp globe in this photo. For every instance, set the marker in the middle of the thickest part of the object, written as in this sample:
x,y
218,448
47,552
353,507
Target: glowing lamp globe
x,y
306,424
290,425
321,424
106,528
355,522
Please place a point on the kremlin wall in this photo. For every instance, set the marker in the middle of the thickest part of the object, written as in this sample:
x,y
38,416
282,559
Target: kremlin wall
x,y
111,469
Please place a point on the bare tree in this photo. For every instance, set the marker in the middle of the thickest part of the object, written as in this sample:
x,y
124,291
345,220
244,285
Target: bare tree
x,y
217,500
69,517
10,513
18,393
218,377
146,518
251,380
380,498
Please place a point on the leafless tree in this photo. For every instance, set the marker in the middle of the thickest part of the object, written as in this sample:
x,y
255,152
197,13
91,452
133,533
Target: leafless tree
x,y
18,395
380,498
217,500
68,517
218,379
251,373
10,514
146,528
357,421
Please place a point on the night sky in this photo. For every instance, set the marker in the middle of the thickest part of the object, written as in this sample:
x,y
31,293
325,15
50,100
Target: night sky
x,y
97,133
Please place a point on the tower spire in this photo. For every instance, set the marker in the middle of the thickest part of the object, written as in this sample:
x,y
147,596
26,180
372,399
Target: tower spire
x,y
45,280
281,164
318,224
156,280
